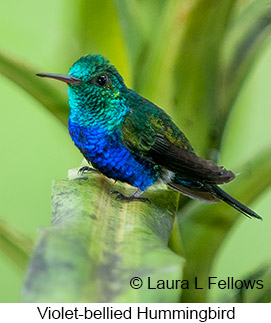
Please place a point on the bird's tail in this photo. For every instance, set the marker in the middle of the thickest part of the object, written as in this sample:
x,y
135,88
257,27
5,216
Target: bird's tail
x,y
223,196
209,193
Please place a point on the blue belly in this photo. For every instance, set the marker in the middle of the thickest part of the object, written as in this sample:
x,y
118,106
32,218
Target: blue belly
x,y
109,155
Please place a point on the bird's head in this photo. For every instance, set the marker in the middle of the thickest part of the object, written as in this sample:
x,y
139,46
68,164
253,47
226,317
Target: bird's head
x,y
94,84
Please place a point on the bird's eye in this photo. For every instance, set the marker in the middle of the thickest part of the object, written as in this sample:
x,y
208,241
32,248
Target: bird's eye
x,y
101,80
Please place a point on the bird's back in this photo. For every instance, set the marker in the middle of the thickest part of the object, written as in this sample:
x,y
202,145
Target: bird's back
x,y
145,121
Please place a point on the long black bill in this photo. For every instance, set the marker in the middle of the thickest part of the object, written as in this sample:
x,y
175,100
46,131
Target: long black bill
x,y
69,79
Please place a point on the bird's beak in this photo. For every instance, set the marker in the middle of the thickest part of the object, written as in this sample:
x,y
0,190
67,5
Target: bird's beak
x,y
69,79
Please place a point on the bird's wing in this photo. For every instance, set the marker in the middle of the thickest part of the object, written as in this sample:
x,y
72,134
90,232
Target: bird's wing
x,y
150,133
182,161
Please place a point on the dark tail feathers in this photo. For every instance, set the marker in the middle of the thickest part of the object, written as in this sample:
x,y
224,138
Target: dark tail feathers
x,y
222,195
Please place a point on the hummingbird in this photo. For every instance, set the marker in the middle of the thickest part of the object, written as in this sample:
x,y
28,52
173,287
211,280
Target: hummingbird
x,y
129,139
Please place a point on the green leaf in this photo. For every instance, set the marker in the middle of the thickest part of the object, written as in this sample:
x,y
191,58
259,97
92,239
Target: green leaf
x,y
204,226
246,39
97,244
137,20
17,246
153,47
49,96
133,29
197,69
97,31
258,294
156,65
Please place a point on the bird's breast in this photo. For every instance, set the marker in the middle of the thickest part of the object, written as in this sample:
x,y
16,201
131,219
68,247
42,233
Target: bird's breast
x,y
107,152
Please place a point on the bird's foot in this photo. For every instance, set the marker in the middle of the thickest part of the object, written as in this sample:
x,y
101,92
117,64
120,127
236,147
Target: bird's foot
x,y
86,169
133,197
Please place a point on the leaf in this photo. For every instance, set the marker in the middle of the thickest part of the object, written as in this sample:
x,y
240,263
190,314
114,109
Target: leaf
x,y
133,29
246,39
97,31
51,98
97,244
208,224
261,293
137,20
197,69
152,46
15,245
156,64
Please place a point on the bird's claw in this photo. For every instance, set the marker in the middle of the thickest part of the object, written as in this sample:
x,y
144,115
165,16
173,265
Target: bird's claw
x,y
86,169
121,197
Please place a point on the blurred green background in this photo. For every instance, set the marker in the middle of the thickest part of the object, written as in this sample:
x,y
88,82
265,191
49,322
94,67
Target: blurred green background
x,y
36,148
